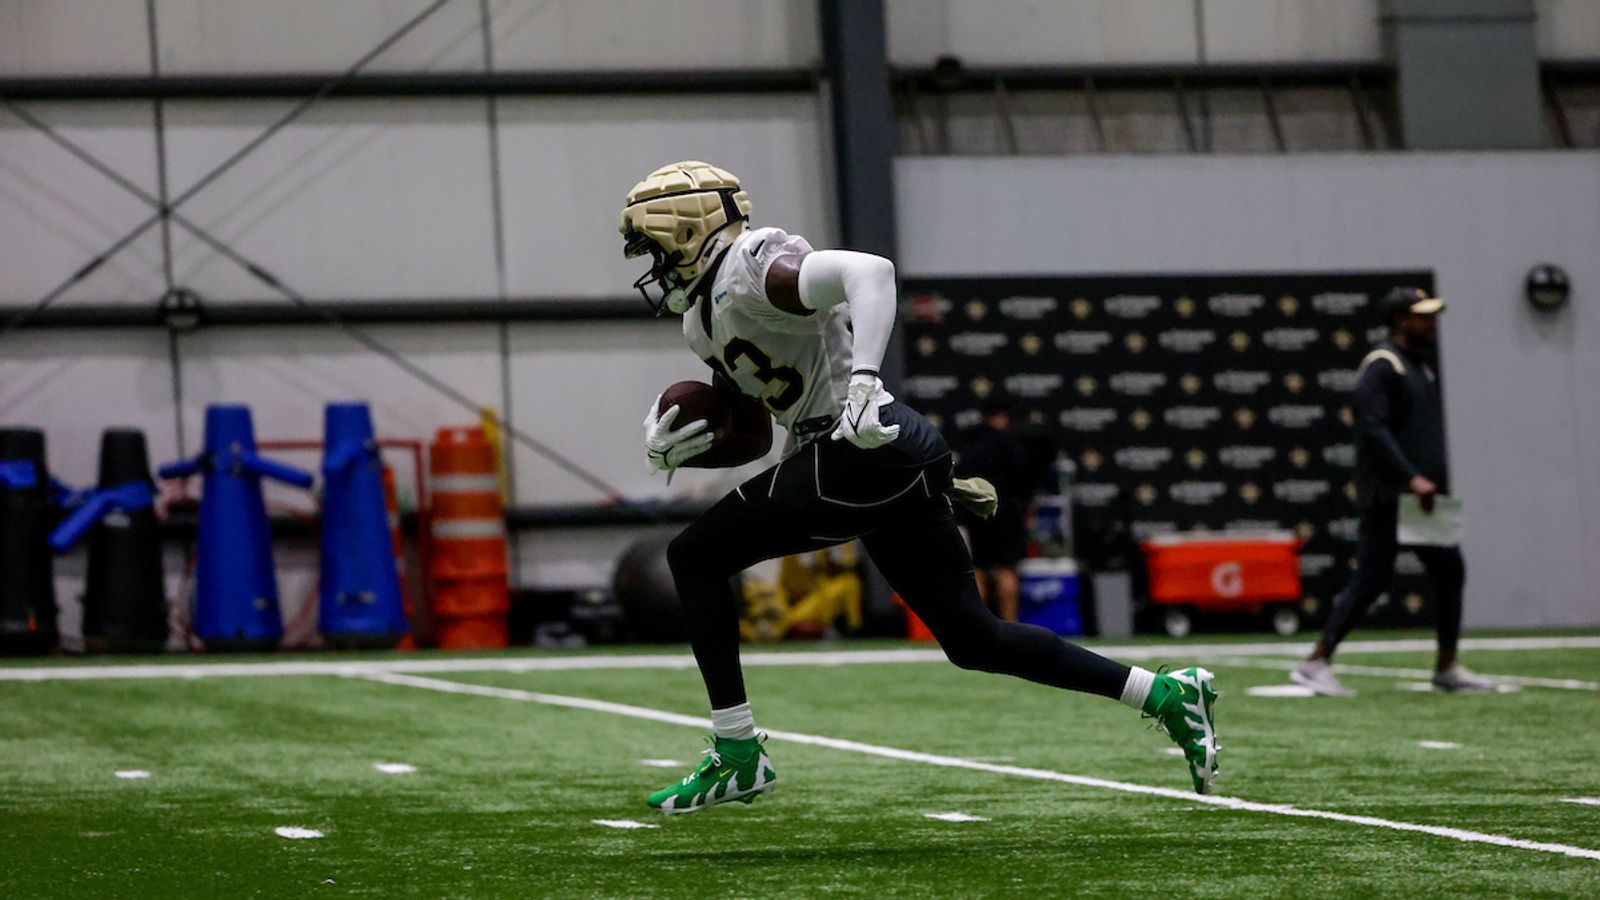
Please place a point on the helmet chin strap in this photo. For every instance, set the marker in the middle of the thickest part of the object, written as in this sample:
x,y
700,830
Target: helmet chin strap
x,y
681,299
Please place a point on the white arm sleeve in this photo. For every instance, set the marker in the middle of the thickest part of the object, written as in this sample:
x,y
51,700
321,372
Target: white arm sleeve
x,y
866,282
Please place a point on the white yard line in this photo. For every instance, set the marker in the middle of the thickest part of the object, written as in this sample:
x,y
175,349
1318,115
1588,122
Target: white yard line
x,y
603,660
1569,684
656,715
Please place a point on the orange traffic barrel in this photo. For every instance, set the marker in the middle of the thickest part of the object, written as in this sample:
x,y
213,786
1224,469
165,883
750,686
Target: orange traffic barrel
x,y
467,567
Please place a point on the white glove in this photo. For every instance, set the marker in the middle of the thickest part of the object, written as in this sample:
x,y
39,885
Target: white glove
x,y
669,449
859,423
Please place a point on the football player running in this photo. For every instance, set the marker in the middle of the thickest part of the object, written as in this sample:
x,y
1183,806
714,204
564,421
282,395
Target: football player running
x,y
803,332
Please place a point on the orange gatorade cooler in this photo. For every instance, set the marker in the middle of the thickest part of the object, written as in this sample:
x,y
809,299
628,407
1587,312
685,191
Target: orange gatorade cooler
x,y
1236,571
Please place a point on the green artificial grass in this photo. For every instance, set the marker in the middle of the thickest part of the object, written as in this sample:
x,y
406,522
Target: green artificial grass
x,y
505,792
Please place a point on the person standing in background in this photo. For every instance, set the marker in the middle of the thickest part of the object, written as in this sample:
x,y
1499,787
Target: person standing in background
x,y
1400,448
989,450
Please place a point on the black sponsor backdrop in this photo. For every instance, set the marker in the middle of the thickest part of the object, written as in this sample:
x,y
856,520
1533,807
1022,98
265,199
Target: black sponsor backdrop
x,y
1208,401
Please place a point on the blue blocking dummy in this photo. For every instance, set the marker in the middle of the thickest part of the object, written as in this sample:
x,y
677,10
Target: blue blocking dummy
x,y
360,603
236,591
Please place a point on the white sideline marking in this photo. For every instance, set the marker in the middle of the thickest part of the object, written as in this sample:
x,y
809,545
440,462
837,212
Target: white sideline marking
x,y
660,763
1439,745
1569,684
1280,690
297,834
954,817
394,768
622,823
1234,803
131,773
1426,687
1585,801
575,662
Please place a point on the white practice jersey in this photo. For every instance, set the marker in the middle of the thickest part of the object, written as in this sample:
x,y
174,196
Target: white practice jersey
x,y
798,366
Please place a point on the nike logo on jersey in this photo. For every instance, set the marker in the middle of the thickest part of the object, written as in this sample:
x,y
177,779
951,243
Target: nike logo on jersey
x,y
757,248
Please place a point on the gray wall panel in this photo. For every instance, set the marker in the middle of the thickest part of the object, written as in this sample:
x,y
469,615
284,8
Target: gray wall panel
x,y
1520,397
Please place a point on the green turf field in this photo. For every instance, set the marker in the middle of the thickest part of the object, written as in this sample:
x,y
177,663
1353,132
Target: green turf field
x,y
507,787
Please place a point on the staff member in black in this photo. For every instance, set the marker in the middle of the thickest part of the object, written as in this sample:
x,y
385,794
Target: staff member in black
x,y
1400,448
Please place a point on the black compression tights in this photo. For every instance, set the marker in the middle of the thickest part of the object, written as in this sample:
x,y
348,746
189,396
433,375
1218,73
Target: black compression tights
x,y
919,551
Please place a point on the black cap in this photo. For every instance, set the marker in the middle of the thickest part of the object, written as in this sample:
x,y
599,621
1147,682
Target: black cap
x,y
1407,299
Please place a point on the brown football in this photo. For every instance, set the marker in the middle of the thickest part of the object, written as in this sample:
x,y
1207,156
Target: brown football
x,y
742,426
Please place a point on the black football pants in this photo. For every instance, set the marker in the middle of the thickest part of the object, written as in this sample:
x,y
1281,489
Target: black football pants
x,y
829,493
1376,547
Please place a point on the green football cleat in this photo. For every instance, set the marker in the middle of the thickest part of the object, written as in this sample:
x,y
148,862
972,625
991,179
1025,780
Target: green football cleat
x,y
1181,702
732,770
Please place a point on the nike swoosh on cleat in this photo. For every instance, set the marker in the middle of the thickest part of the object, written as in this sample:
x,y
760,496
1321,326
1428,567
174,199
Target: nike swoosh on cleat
x,y
757,248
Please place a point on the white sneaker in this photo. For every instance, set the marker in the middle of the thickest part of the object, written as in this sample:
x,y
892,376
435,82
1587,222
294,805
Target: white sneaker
x,y
1317,675
1459,678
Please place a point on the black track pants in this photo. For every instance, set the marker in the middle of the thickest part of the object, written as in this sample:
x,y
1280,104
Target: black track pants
x,y
830,493
1375,552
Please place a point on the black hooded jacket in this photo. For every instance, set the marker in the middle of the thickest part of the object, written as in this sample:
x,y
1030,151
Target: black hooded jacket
x,y
1399,422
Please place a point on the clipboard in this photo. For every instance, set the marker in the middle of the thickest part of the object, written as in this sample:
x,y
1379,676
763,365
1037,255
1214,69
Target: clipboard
x,y
1442,528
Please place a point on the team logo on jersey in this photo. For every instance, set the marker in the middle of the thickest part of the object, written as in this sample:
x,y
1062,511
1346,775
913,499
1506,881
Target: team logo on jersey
x,y
1196,457
1091,460
1236,305
976,310
1249,492
1081,308
1085,385
1300,457
1288,305
1140,419
1132,306
1146,494
1027,309
1239,341
1031,344
1244,417
926,346
1135,342
1347,416
1295,382
1184,306
1291,415
1343,339
981,387
1190,383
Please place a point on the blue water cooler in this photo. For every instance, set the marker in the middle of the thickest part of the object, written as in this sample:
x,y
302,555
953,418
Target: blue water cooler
x,y
1049,595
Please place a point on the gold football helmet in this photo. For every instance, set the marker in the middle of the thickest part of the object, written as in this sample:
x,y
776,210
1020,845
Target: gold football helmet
x,y
681,215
